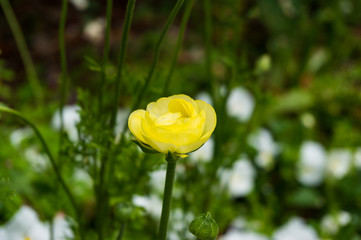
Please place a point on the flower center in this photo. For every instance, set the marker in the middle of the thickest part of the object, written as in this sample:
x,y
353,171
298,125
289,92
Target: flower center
x,y
168,119
181,106
27,238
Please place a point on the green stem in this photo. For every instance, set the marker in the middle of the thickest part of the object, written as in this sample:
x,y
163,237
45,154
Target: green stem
x,y
122,52
105,53
24,51
51,158
64,69
170,20
208,43
165,29
121,232
185,18
167,197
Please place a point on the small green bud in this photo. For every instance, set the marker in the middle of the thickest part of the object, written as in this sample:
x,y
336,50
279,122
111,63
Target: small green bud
x,y
204,227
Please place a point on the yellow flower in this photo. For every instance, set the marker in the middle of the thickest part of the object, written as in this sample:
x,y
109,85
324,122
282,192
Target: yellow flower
x,y
176,124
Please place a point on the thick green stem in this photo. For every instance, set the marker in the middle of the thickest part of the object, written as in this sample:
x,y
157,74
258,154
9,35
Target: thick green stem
x,y
167,197
185,18
24,51
208,43
51,158
64,69
105,53
122,52
121,232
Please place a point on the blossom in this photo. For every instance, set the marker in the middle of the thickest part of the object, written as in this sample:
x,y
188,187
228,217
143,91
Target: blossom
x,y
94,30
71,118
80,4
25,225
235,234
339,163
175,124
295,229
267,148
331,223
19,135
240,179
240,104
312,163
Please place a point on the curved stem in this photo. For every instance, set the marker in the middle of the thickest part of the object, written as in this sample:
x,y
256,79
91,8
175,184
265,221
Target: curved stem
x,y
24,51
51,158
167,197
64,69
121,232
208,42
122,52
186,14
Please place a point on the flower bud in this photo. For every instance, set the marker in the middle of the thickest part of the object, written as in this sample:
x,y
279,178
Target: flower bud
x,y
204,227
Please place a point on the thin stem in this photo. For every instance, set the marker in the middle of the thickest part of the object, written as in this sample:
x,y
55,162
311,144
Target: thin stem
x,y
170,20
51,158
64,69
122,52
167,197
105,53
24,51
165,29
121,232
208,43
186,14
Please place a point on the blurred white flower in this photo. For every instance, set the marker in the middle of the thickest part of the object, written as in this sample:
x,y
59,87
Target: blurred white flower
x,y
121,120
71,118
235,234
204,153
267,148
180,220
339,162
25,224
19,135
157,180
83,183
80,4
357,160
39,161
240,179
295,229
94,30
152,204
312,163
331,223
204,96
61,228
240,104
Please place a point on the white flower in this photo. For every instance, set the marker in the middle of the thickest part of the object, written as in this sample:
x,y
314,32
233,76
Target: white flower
x,y
121,120
157,180
235,234
204,153
25,225
152,204
94,30
80,4
295,229
180,223
240,104
312,163
339,162
71,118
19,135
204,96
240,179
358,158
267,148
39,161
331,223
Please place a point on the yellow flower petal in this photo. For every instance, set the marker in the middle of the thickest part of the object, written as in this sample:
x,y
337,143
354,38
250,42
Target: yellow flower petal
x,y
135,124
211,117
